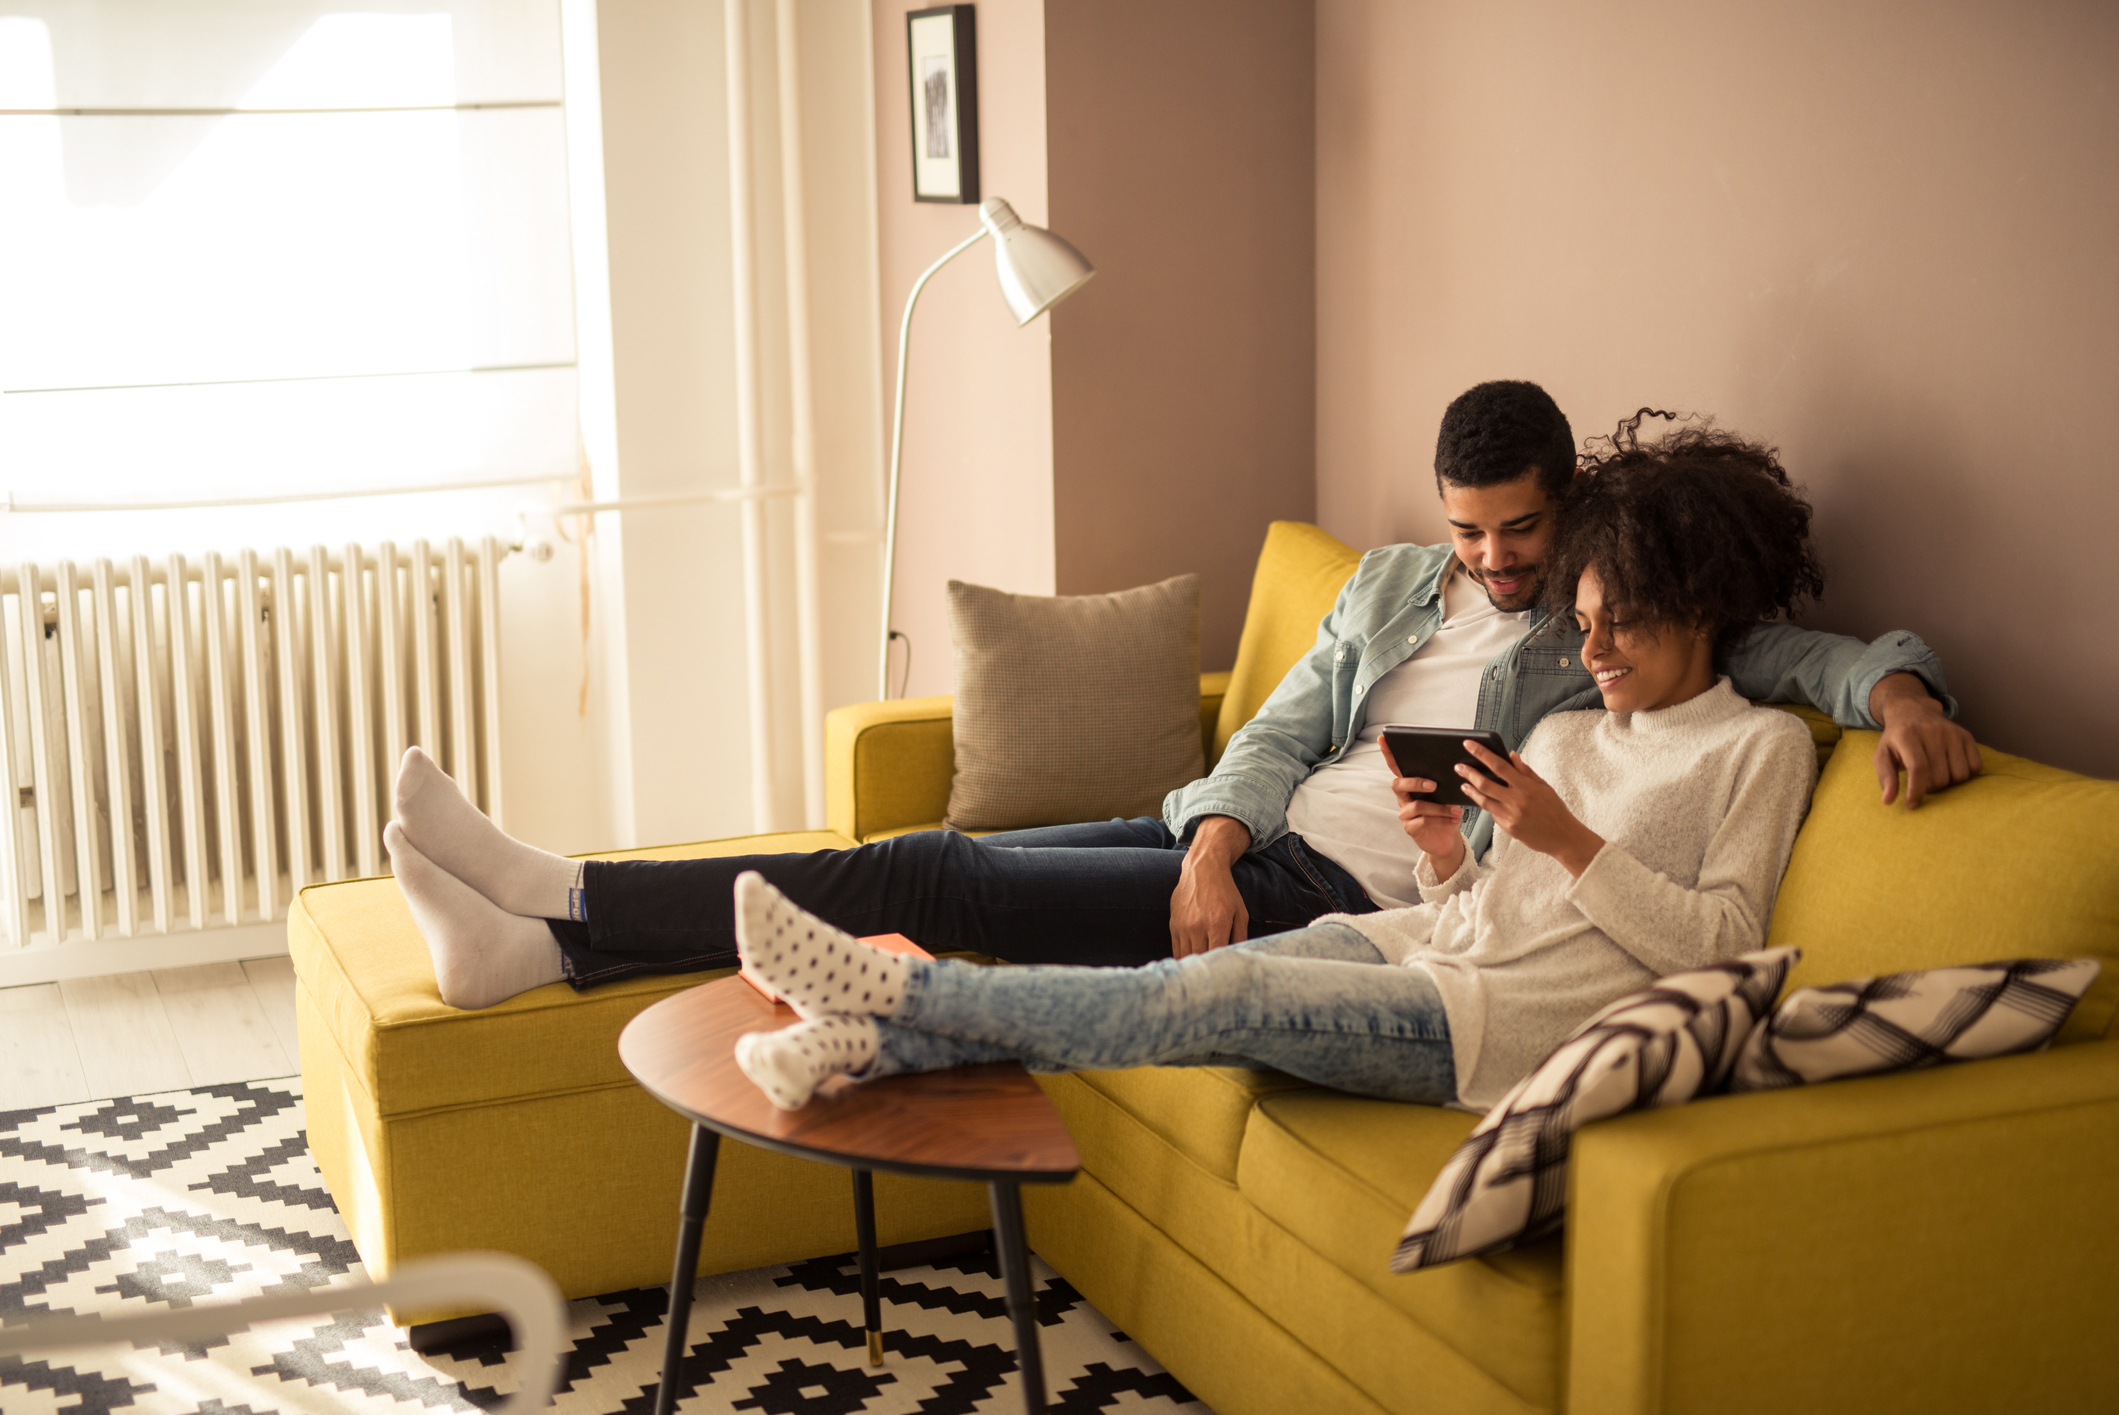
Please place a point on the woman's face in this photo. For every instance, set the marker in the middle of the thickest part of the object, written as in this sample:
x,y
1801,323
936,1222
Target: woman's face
x,y
1639,667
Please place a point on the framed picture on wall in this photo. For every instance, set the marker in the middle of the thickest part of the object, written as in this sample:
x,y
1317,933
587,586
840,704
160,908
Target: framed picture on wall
x,y
942,47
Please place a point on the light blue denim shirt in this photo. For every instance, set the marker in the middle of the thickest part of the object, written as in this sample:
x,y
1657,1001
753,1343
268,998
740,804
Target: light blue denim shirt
x,y
1394,603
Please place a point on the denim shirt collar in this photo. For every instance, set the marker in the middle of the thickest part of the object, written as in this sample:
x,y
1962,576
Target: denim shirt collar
x,y
1428,587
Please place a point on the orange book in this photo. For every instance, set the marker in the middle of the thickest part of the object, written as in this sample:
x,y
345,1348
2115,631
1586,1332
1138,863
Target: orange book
x,y
889,943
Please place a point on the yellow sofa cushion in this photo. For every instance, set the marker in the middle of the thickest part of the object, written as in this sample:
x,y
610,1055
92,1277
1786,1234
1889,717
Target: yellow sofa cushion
x,y
1255,1174
368,972
1165,1140
1163,1279
1342,1174
2022,861
1199,1110
1300,573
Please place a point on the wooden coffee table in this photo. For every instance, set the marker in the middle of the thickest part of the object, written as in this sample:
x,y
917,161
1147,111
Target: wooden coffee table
x,y
987,1123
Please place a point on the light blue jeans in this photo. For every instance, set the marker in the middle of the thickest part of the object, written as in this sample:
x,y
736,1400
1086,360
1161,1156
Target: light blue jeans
x,y
1319,1003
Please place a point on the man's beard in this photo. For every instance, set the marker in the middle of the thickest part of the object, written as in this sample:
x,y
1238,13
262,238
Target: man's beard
x,y
1532,578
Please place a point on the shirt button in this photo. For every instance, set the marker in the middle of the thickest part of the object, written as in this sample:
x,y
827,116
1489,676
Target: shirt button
x,y
1563,663
1412,638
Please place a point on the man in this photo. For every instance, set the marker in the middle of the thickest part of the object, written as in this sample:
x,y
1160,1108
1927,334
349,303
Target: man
x,y
1297,820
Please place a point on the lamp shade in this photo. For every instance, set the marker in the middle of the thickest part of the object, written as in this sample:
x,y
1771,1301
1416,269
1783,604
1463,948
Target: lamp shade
x,y
1037,268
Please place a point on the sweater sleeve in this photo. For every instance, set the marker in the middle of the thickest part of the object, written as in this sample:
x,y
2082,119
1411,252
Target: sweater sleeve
x,y
1670,928
1434,890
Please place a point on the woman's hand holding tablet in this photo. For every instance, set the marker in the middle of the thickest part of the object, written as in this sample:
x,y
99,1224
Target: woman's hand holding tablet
x,y
1434,753
1431,799
1442,770
1524,804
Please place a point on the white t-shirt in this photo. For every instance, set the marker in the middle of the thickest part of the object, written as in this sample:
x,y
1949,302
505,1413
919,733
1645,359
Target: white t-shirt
x,y
1345,808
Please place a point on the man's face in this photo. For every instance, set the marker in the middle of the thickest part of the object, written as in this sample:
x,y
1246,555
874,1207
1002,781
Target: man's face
x,y
1501,533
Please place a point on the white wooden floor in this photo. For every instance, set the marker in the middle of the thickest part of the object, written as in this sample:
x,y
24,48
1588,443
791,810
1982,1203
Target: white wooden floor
x,y
136,1033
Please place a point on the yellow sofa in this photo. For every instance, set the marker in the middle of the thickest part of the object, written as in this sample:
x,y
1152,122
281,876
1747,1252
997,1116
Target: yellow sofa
x,y
1937,1241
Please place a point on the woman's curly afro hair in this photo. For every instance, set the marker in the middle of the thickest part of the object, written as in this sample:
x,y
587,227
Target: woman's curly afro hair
x,y
1697,528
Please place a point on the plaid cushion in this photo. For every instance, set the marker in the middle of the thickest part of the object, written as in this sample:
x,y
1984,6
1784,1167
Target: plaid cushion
x,y
1911,1020
1661,1046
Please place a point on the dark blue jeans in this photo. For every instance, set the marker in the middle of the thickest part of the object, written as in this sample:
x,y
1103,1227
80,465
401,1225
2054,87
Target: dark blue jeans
x,y
1095,894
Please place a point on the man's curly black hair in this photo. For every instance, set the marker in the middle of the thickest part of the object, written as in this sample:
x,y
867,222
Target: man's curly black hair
x,y
1697,528
1497,431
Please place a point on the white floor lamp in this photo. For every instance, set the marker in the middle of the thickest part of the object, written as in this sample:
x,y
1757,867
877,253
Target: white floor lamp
x,y
1037,270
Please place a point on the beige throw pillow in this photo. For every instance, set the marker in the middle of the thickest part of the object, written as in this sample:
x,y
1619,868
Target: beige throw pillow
x,y
1073,707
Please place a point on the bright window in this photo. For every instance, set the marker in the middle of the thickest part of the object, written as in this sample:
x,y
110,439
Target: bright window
x,y
261,249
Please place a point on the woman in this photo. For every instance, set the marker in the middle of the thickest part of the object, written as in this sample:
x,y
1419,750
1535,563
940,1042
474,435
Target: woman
x,y
1633,843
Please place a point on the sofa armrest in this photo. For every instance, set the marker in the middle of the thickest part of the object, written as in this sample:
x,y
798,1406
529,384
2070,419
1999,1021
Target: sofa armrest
x,y
1938,1239
888,765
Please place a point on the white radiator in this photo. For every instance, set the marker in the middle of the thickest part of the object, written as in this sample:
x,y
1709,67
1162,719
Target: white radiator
x,y
189,742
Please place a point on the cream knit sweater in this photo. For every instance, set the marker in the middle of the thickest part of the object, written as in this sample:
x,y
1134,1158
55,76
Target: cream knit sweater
x,y
1698,805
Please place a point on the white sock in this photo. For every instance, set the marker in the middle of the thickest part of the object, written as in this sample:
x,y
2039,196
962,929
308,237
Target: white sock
x,y
456,835
789,1065
820,971
482,953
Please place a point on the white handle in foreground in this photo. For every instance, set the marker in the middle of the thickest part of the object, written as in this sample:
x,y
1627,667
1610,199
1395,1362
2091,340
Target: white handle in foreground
x,y
517,1289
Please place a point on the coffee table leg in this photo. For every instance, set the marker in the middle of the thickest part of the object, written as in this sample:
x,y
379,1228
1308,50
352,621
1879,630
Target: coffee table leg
x,y
698,1191
1015,1277
864,1227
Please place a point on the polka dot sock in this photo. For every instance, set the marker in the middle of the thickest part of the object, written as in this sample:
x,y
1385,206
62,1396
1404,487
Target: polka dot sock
x,y
820,971
789,1065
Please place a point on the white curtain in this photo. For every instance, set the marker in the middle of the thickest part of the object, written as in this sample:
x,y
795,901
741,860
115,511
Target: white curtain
x,y
258,248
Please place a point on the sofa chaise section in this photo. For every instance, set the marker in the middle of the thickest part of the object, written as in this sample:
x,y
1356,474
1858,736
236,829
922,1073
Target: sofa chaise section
x,y
516,1127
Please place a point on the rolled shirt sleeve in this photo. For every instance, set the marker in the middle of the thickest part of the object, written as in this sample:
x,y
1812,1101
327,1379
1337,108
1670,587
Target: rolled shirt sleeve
x,y
1834,673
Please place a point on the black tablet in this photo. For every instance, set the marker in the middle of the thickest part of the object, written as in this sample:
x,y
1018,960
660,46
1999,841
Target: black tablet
x,y
1433,753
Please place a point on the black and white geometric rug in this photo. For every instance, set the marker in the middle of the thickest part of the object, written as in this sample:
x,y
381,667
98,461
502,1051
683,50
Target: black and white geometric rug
x,y
210,1195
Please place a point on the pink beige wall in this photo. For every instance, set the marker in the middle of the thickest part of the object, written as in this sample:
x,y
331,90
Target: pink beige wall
x,y
1181,146
1884,236
1155,422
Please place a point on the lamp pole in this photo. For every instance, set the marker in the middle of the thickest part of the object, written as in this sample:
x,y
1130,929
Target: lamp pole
x,y
1037,270
897,451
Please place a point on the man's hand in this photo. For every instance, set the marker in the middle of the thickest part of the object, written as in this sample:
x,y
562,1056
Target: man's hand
x,y
1525,805
1934,752
1206,911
